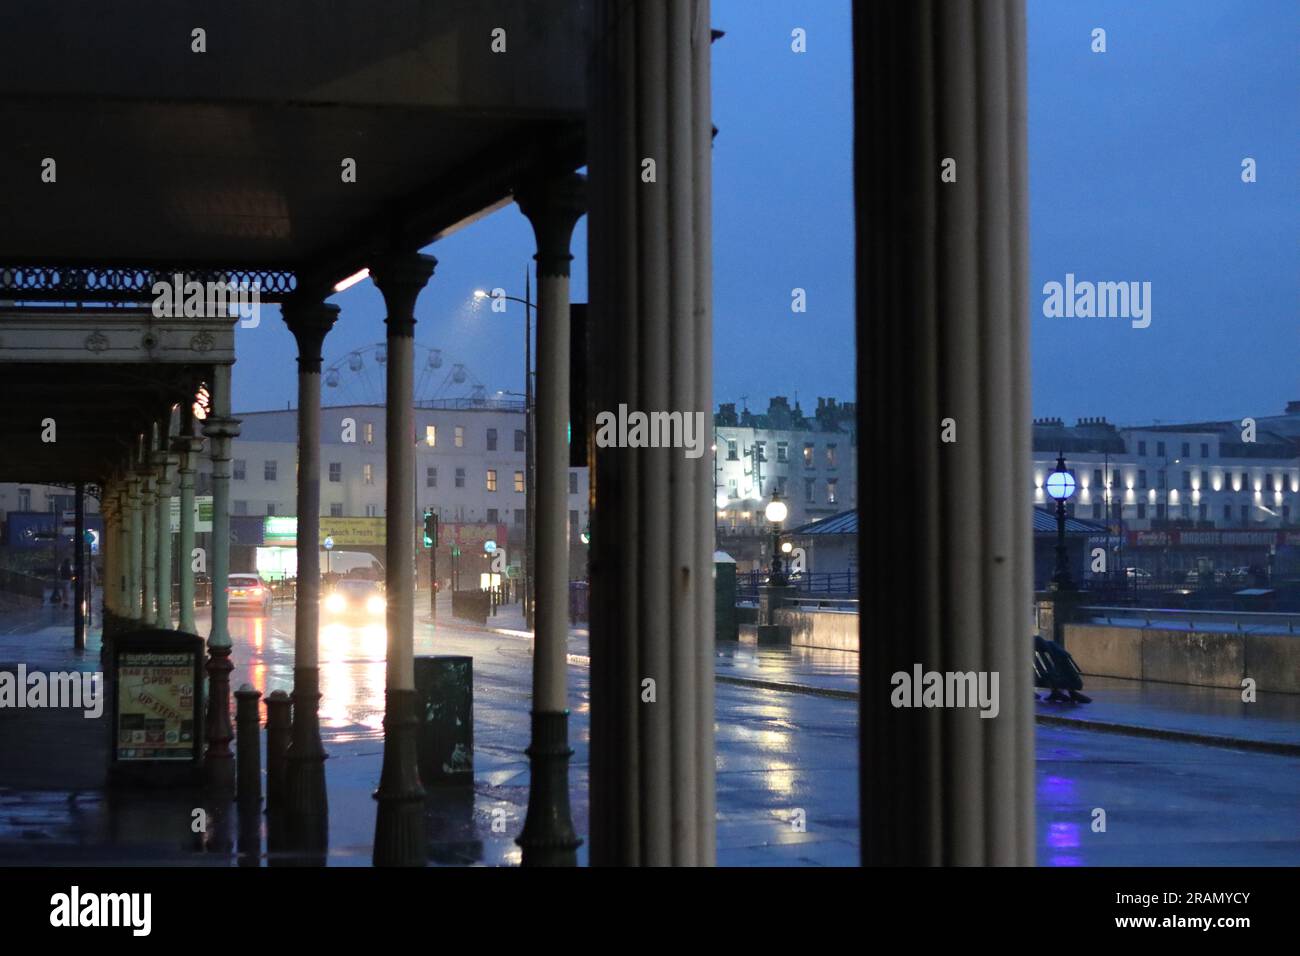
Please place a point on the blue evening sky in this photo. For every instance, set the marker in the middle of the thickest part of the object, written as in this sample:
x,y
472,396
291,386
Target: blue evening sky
x,y
1134,175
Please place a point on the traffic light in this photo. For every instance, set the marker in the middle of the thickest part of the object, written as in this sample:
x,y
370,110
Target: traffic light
x,y
430,528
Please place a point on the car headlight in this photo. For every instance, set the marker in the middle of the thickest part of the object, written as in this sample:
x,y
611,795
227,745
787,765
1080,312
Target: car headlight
x,y
335,603
376,604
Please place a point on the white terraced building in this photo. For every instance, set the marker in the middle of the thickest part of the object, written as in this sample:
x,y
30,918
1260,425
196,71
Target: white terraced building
x,y
1217,474
470,464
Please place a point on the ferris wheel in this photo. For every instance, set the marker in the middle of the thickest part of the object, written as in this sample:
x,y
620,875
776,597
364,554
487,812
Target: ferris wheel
x,y
360,377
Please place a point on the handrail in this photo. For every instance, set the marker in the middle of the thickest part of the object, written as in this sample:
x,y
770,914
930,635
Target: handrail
x,y
1250,618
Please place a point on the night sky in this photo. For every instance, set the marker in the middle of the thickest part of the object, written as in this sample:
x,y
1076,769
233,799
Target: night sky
x,y
1135,175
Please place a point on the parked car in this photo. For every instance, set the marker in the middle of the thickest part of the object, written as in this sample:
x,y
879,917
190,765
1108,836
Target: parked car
x,y
1137,574
248,590
355,599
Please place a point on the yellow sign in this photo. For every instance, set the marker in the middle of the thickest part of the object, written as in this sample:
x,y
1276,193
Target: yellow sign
x,y
353,531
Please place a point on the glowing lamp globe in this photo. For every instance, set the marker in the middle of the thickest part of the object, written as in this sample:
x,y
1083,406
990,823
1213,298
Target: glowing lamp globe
x,y
776,511
1060,485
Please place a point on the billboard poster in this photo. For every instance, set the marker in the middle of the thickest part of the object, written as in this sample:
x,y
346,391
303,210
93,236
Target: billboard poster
x,y
202,514
156,716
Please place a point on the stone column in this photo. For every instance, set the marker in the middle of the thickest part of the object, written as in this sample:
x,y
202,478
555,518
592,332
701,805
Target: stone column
x,y
165,463
148,542
221,429
309,319
135,547
943,333
187,449
399,824
548,837
652,524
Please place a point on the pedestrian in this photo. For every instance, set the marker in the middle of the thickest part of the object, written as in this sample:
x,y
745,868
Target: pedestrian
x,y
65,581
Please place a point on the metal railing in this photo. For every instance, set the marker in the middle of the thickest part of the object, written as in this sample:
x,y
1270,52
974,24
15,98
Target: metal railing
x,y
829,583
1259,621
843,605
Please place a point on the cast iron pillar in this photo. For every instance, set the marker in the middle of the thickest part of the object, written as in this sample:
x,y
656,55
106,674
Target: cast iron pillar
x,y
148,540
221,429
548,837
307,804
187,449
399,823
165,462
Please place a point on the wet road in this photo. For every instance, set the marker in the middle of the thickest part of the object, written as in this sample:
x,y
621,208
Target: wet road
x,y
782,757
787,788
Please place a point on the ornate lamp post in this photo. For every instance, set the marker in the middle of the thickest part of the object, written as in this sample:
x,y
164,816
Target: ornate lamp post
x,y
776,512
529,476
1060,487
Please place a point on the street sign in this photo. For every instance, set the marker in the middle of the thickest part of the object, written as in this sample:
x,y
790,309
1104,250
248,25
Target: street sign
x,y
489,546
328,543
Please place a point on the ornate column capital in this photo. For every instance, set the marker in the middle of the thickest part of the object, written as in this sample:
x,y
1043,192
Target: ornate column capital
x,y
186,447
400,277
554,207
218,429
310,319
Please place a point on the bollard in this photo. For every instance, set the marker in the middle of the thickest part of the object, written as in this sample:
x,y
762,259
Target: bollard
x,y
248,745
279,722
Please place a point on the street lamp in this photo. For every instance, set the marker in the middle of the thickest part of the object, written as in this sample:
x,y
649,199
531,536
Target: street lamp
x,y
776,512
482,295
1060,486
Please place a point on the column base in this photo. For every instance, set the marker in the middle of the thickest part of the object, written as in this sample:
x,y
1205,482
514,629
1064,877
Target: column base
x,y
548,837
220,762
306,798
400,838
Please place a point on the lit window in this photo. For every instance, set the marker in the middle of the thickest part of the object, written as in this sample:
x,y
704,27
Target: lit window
x,y
368,474
808,451
832,485
431,435
519,482
368,433
460,437
491,479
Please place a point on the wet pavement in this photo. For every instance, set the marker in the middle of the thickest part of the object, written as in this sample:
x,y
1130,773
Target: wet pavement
x,y
782,755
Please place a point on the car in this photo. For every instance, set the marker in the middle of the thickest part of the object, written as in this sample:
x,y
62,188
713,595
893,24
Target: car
x,y
248,590
1137,574
355,598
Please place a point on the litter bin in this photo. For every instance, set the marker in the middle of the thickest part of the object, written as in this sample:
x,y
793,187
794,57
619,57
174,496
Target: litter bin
x,y
444,691
725,624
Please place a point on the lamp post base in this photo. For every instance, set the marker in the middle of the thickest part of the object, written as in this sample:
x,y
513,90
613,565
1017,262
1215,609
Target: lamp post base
x,y
548,837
